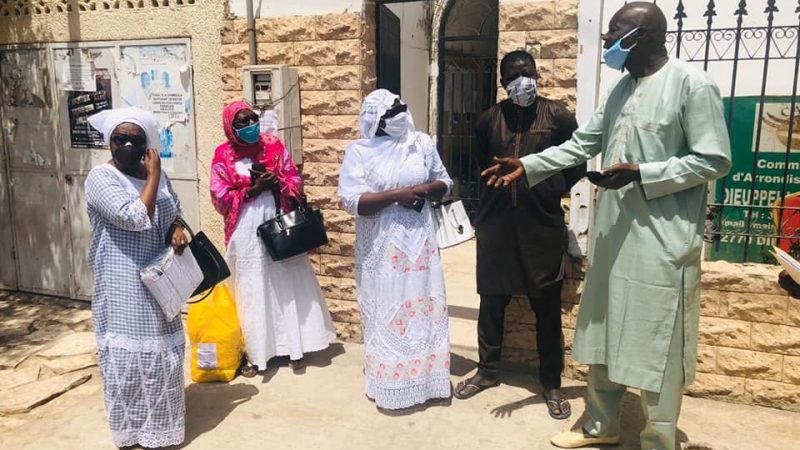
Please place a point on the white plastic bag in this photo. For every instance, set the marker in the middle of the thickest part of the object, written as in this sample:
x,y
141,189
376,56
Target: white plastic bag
x,y
171,279
452,224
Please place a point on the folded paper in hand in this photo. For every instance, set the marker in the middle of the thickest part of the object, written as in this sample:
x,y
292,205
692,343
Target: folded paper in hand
x,y
172,278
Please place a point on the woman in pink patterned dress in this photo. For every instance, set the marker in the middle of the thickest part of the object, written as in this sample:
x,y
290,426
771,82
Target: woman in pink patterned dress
x,y
281,308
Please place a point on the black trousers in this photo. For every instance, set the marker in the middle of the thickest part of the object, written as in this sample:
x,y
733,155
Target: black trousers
x,y
491,326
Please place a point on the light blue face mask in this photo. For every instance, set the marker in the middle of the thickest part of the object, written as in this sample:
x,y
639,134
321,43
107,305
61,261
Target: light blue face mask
x,y
616,56
250,133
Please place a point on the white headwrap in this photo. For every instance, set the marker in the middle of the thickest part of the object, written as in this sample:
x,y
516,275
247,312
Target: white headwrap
x,y
107,121
374,107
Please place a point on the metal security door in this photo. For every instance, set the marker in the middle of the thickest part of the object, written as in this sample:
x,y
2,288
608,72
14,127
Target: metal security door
x,y
85,83
36,197
8,267
153,75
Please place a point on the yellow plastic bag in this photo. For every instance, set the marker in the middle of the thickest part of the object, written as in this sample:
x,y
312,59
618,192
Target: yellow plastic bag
x,y
217,343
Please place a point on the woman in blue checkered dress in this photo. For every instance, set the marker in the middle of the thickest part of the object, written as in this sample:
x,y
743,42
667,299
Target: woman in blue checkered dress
x,y
131,206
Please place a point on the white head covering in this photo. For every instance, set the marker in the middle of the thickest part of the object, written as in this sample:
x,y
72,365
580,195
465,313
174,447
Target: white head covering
x,y
374,107
107,121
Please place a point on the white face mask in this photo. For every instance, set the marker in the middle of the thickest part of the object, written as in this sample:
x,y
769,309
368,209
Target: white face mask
x,y
522,91
397,126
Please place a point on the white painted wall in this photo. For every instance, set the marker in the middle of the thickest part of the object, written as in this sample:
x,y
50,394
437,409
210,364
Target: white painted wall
x,y
414,60
282,8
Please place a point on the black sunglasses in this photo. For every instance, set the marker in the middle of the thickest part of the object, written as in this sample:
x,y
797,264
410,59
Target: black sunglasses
x,y
245,121
122,139
395,111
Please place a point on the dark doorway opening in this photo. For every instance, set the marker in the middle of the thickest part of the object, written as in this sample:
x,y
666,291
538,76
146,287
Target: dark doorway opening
x,y
467,86
388,49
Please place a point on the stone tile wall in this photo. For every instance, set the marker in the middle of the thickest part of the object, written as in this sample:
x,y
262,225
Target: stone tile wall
x,y
549,30
748,344
334,55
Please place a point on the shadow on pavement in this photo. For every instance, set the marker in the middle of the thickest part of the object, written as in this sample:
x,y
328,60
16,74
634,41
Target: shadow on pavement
x,y
208,404
322,358
461,366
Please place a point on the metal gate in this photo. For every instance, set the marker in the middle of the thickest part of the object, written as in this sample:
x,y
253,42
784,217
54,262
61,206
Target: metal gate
x,y
467,87
756,63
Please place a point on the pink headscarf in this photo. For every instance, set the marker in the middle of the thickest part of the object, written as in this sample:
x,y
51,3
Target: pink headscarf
x,y
228,188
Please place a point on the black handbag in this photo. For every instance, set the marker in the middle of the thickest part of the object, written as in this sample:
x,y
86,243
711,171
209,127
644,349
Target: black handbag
x,y
293,233
213,265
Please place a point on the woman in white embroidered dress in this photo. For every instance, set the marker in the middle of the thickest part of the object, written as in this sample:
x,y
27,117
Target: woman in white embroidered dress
x,y
131,206
387,181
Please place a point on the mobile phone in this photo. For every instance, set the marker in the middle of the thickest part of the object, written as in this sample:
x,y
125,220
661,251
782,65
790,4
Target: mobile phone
x,y
595,177
419,206
259,167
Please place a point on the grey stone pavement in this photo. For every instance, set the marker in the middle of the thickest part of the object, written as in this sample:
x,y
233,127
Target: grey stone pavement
x,y
325,408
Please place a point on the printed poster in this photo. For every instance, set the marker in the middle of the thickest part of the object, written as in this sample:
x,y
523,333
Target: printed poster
x,y
771,166
82,105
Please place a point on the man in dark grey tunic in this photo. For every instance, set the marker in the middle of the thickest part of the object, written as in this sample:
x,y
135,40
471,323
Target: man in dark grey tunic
x,y
521,235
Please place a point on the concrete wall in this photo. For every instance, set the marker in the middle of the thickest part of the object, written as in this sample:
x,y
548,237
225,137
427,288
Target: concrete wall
x,y
334,55
271,8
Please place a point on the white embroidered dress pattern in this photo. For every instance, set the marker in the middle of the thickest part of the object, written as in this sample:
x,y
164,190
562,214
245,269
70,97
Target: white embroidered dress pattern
x,y
399,276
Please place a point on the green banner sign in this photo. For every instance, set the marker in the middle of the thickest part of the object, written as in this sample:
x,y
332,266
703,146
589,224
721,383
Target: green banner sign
x,y
758,182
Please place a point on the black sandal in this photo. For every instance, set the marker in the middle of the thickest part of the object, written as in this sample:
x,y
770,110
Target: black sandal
x,y
561,404
468,388
297,365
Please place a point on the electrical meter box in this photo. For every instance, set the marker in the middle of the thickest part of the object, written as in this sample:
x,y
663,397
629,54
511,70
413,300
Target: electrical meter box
x,y
276,88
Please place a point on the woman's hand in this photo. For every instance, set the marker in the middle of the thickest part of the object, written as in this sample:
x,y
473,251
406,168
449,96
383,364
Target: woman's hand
x,y
262,182
152,162
179,240
407,198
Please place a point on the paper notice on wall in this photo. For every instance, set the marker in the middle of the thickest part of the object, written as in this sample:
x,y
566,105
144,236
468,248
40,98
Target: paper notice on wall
x,y
157,78
74,70
156,75
168,105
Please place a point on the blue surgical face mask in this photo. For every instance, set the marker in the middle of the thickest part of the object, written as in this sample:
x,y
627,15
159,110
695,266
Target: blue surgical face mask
x,y
249,134
616,56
